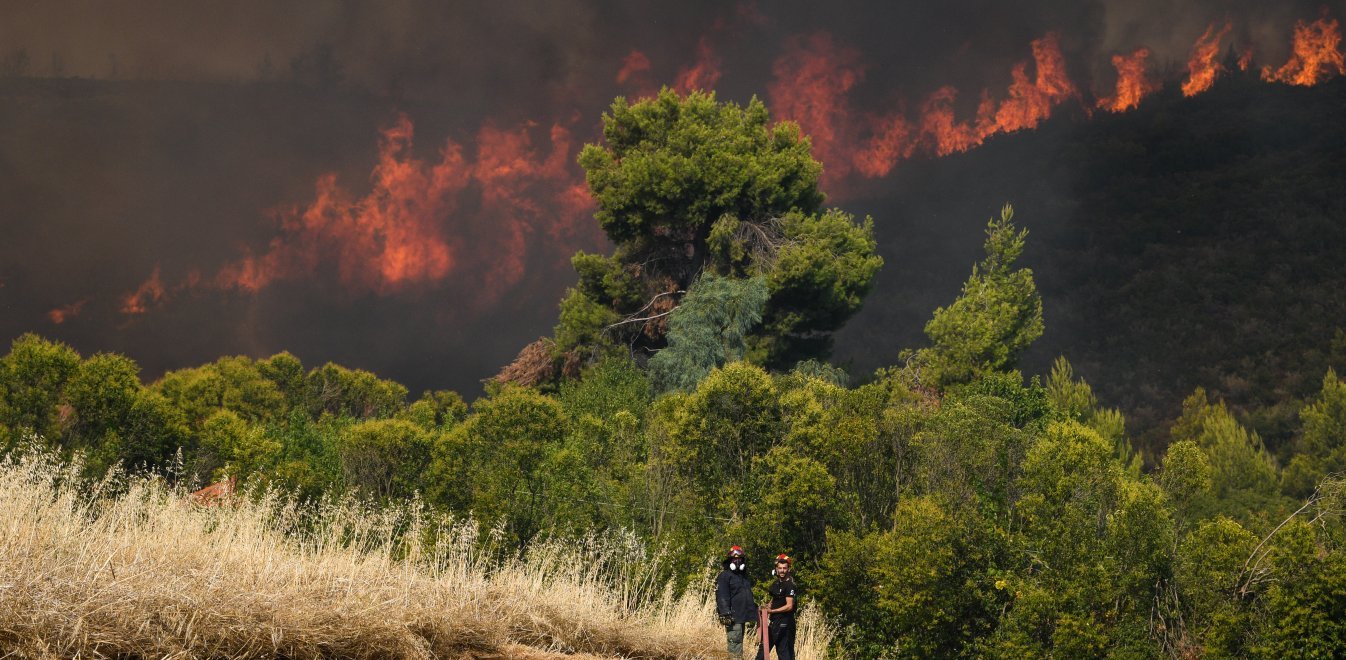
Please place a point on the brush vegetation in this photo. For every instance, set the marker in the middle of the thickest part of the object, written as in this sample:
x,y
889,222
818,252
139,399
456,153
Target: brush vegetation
x,y
130,566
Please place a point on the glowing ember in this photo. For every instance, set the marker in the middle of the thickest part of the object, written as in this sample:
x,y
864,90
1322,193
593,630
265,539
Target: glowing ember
x,y
1316,57
1202,68
1132,85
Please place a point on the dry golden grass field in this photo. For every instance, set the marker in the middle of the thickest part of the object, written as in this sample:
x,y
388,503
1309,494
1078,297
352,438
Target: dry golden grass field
x,y
129,567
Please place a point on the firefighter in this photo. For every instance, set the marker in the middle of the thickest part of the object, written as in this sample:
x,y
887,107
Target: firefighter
x,y
734,600
784,598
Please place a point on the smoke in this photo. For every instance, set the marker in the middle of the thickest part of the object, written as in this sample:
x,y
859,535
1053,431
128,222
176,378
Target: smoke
x,y
393,184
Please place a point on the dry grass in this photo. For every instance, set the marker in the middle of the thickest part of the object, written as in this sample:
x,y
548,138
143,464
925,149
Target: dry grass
x,y
144,573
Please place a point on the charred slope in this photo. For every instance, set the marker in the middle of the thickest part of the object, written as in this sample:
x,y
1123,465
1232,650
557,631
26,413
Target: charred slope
x,y
1192,242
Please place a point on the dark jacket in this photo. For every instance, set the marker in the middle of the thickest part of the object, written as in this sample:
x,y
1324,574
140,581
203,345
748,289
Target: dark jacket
x,y
733,595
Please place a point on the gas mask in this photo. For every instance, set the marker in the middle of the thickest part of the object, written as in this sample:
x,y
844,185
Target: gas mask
x,y
736,565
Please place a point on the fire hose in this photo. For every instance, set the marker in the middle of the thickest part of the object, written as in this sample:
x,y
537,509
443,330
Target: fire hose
x,y
763,620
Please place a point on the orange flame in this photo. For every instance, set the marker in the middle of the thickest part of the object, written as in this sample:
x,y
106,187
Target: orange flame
x,y
894,139
704,74
635,73
1316,57
1202,68
66,312
151,290
1132,85
939,130
1246,58
635,64
410,230
812,79
381,242
1031,102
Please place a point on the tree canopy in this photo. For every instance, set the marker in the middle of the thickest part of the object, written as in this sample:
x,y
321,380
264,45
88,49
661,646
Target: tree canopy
x,y
687,188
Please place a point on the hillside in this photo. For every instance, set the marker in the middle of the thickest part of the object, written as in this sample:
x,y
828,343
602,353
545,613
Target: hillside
x,y
1191,242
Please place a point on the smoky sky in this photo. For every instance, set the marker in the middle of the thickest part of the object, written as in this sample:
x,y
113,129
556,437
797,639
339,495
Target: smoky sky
x,y
184,139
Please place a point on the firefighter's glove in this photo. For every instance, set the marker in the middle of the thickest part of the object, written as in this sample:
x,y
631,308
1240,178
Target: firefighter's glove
x,y
726,621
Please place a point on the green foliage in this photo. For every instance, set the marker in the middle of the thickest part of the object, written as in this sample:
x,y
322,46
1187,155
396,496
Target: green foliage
x,y
969,452
116,419
1244,480
707,330
717,430
1093,538
693,191
1186,478
1321,449
913,590
230,446
352,392
821,275
493,463
233,383
670,166
1074,399
1209,564
34,375
790,502
582,321
1303,614
997,316
384,457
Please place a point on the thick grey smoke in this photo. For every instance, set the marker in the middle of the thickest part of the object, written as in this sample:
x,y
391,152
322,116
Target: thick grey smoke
x,y
170,135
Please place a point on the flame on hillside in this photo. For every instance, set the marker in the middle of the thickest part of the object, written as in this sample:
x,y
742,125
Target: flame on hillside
x,y
814,77
1316,55
467,217
1202,68
1132,82
412,227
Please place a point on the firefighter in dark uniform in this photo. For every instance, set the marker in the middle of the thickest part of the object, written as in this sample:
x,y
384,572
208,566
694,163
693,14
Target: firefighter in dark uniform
x,y
784,598
734,601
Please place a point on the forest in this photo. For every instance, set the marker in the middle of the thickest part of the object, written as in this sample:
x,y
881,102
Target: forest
x,y
947,504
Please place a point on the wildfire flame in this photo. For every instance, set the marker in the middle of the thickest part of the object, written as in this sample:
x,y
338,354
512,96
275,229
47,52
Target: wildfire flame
x,y
1202,68
811,81
149,291
383,241
468,216
814,76
1132,85
1246,58
1316,56
703,74
635,73
66,312
411,229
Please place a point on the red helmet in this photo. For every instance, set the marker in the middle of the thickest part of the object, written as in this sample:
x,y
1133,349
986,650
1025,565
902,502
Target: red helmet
x,y
782,557
735,551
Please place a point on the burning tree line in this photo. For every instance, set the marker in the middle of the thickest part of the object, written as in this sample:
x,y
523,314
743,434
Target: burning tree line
x,y
410,230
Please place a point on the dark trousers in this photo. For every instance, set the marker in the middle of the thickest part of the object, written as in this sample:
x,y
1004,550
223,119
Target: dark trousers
x,y
781,637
